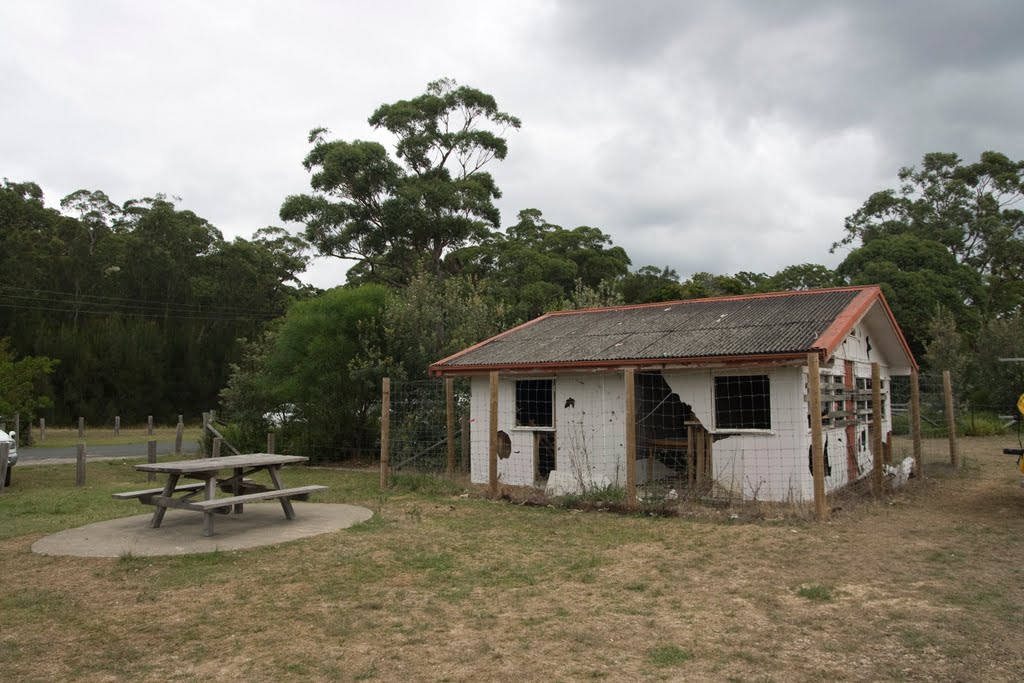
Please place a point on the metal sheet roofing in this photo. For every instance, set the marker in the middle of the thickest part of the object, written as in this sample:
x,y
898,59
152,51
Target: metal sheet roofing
x,y
788,322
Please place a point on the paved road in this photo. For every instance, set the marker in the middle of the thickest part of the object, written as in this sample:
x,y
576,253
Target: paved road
x,y
47,455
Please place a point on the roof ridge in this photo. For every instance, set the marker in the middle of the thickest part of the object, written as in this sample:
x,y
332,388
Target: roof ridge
x,y
734,297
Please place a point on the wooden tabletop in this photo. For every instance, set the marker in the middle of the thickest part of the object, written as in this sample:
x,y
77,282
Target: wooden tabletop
x,y
214,464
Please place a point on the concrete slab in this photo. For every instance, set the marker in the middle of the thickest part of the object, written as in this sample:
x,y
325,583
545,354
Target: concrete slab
x,y
181,532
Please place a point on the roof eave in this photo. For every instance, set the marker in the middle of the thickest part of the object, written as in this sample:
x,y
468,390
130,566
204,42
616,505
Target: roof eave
x,y
788,358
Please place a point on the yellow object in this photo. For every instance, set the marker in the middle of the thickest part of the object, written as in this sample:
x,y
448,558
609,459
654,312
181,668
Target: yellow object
x,y
1020,404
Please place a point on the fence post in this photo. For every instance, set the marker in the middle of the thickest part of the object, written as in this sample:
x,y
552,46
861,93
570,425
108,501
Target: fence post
x,y
151,457
42,429
206,421
81,428
17,429
179,434
464,456
817,450
947,389
385,434
915,422
270,443
5,452
216,447
876,428
149,424
492,433
449,397
117,425
630,400
80,465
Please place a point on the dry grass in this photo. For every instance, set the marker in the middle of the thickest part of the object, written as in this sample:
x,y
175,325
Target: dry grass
x,y
925,585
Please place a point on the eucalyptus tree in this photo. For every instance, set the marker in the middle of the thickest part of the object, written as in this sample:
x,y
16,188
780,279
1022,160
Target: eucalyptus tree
x,y
397,216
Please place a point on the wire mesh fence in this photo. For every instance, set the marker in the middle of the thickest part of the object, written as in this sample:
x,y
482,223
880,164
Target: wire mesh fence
x,y
427,427
662,438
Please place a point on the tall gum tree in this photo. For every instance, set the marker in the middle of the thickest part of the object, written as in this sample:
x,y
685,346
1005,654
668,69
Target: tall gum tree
x,y
394,218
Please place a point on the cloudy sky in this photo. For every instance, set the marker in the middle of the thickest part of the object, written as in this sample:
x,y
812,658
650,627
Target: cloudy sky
x,y
718,136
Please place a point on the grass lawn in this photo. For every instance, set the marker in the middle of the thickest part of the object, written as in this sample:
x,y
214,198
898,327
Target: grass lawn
x,y
927,585
97,436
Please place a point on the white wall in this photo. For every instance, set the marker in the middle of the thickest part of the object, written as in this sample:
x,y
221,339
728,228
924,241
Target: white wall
x,y
763,464
589,431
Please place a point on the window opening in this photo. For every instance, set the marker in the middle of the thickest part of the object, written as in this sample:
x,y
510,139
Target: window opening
x,y
535,403
742,402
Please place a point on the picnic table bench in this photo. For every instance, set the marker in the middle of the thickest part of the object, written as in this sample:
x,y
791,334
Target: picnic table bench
x,y
239,485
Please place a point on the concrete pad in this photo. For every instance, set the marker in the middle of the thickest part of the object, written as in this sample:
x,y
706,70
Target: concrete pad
x,y
181,532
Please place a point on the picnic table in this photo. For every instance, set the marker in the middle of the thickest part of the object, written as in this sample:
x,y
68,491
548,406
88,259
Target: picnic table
x,y
208,470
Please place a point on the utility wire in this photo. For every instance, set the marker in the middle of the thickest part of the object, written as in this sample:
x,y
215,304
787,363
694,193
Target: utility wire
x,y
142,303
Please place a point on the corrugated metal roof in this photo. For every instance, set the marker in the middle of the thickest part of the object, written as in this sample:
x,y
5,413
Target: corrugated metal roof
x,y
785,323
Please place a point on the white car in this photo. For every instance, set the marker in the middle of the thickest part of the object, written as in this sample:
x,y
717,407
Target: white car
x,y
13,456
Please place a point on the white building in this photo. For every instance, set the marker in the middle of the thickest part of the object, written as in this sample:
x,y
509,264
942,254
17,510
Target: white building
x,y
720,393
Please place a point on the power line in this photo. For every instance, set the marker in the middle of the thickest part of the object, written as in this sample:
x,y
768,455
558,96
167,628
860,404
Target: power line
x,y
140,303
177,315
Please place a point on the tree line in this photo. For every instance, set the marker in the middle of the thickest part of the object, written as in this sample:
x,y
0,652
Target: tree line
x,y
434,271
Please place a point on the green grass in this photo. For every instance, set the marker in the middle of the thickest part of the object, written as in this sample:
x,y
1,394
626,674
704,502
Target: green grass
x,y
815,592
669,655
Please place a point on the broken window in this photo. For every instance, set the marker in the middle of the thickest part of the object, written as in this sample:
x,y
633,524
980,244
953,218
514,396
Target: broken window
x,y
742,402
535,405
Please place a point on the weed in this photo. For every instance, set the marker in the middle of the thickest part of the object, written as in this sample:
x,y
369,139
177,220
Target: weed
x,y
815,592
668,655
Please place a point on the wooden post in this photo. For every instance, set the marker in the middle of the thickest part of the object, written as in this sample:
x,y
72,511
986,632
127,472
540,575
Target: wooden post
x,y
42,429
449,397
876,427
213,416
206,422
817,449
915,422
117,425
149,421
81,428
270,443
80,465
179,434
216,446
464,456
947,388
630,400
492,433
5,453
385,434
151,457
17,429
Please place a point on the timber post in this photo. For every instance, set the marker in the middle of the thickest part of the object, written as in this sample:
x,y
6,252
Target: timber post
x,y
385,434
630,399
80,465
915,422
876,428
151,457
817,449
117,425
449,398
492,433
947,389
